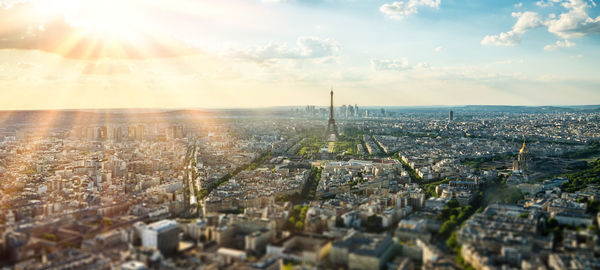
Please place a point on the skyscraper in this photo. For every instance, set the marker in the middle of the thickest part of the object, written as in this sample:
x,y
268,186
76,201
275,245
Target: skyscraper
x,y
140,131
131,133
117,135
451,116
332,130
102,133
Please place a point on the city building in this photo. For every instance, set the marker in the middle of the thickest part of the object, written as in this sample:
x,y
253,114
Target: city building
x,y
162,235
362,250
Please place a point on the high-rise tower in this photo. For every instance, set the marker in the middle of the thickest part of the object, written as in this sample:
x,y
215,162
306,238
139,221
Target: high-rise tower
x,y
332,130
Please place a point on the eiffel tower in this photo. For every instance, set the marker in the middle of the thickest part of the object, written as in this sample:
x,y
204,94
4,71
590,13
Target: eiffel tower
x,y
332,131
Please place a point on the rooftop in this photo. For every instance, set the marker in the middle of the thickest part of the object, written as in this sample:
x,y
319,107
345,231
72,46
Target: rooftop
x,y
161,225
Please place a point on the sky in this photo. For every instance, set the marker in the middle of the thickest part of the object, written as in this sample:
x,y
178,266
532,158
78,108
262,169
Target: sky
x,y
75,54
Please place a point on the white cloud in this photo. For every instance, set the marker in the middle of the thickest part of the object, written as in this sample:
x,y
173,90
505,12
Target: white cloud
x,y
400,9
306,48
526,21
509,38
422,65
390,64
509,62
518,5
547,3
296,1
439,49
559,44
575,22
397,65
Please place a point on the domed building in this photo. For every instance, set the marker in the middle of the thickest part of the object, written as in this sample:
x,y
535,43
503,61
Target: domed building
x,y
520,164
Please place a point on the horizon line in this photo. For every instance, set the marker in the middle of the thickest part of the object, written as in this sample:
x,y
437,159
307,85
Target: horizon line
x,y
289,106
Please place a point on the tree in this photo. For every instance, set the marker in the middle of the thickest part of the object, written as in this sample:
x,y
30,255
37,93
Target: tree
x,y
453,203
106,221
593,207
447,227
299,225
466,211
452,243
50,237
551,223
304,211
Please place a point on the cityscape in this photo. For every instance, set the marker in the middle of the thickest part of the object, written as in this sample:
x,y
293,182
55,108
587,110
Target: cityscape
x,y
484,187
299,134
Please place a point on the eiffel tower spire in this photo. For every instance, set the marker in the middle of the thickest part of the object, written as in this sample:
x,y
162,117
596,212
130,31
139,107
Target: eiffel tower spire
x,y
332,131
331,106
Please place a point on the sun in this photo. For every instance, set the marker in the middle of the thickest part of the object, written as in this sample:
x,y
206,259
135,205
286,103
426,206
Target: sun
x,y
99,29
115,18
